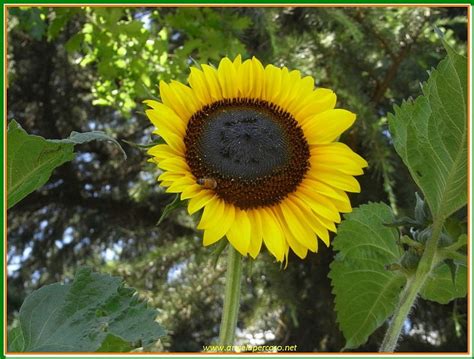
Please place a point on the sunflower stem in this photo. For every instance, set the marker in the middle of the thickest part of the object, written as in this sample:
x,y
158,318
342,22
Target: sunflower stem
x,y
232,298
412,288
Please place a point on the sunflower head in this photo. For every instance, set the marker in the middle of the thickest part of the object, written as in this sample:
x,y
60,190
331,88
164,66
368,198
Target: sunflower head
x,y
256,149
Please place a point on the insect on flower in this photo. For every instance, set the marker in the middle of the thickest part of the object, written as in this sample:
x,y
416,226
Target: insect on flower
x,y
209,183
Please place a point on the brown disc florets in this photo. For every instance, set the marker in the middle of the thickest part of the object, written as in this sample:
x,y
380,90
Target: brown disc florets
x,y
252,151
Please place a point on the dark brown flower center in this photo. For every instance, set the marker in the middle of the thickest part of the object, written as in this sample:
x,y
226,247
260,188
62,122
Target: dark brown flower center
x,y
253,152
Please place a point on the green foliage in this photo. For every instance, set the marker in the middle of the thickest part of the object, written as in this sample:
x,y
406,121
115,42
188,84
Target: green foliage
x,y
366,291
132,53
30,161
95,312
440,288
430,134
61,16
31,20
220,36
127,56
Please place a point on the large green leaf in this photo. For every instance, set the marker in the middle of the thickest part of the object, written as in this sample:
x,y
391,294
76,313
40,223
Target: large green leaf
x,y
430,134
30,161
94,312
439,286
366,292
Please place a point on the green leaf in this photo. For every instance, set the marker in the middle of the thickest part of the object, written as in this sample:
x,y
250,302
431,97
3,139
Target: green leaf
x,y
74,43
218,249
147,146
94,312
80,138
101,102
430,134
170,207
439,287
114,344
366,291
62,16
30,161
16,342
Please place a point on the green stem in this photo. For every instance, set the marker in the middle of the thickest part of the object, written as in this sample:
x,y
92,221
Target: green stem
x,y
462,258
456,245
412,288
232,298
407,298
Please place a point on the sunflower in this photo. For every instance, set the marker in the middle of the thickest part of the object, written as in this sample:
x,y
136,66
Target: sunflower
x,y
256,149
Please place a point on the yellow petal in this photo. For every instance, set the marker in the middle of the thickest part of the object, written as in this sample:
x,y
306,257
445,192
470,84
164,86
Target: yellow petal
x,y
175,164
174,141
338,149
171,176
256,234
324,189
166,183
338,180
227,75
163,116
213,234
170,99
245,78
293,218
342,206
311,220
342,201
306,85
272,85
180,185
318,203
187,96
191,191
163,152
327,126
308,97
303,89
272,234
346,168
152,103
319,101
153,160
330,225
237,62
197,81
212,82
239,232
300,250
285,88
341,163
212,214
199,201
259,78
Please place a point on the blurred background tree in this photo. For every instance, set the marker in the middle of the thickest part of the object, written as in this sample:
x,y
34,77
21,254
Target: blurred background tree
x,y
90,69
